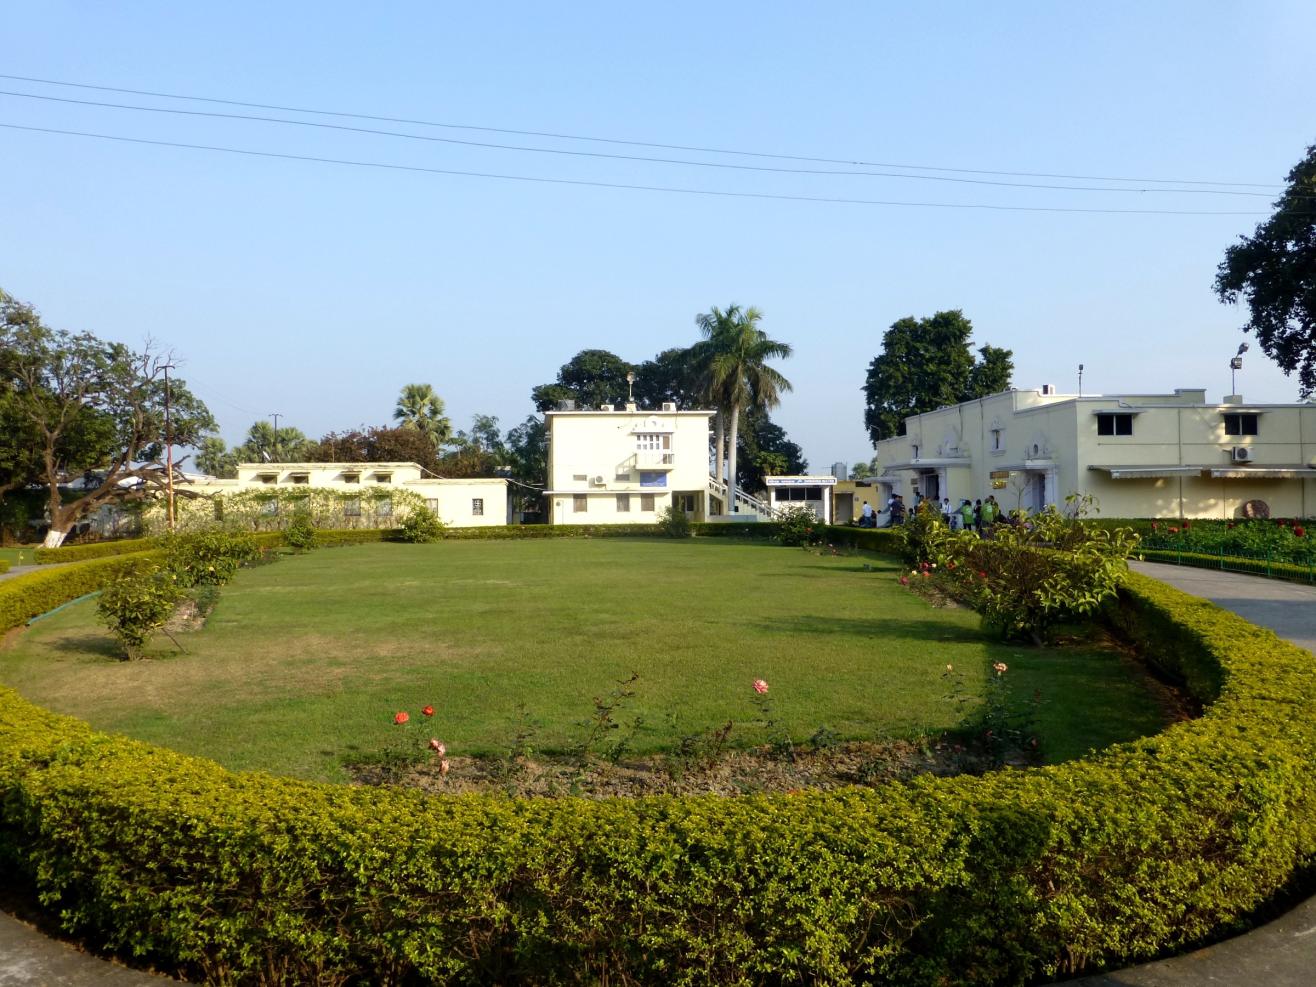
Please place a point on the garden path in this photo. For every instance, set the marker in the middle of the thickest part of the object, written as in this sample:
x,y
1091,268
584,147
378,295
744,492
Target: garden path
x,y
1281,953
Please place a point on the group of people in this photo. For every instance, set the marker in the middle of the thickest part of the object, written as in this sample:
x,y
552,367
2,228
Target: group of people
x,y
978,515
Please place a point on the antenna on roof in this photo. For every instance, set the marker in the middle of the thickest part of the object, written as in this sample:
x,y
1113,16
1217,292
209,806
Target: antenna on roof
x,y
1080,380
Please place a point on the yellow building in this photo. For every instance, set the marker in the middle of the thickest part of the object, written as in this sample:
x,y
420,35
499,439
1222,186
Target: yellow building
x,y
460,503
1139,455
621,465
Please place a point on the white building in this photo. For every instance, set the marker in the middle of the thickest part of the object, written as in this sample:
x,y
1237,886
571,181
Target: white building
x,y
1139,455
461,503
621,465
813,492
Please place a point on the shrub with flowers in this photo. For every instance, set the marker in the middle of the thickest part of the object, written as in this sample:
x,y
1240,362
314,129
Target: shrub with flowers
x,y
208,558
1280,540
798,526
1027,578
923,534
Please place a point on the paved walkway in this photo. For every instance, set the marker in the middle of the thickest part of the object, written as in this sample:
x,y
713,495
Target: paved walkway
x,y
1280,954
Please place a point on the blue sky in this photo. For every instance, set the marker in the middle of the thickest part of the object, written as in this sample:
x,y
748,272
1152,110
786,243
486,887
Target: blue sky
x,y
318,290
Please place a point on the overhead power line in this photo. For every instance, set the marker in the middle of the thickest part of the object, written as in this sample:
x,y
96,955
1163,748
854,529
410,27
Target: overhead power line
x,y
854,163
627,157
618,185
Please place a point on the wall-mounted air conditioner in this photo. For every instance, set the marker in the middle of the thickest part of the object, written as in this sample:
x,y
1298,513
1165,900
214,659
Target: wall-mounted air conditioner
x,y
597,481
669,406
1242,454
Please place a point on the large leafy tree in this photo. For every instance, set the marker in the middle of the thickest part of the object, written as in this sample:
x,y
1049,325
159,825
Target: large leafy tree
x,y
419,407
94,411
478,451
672,375
927,364
376,444
733,361
1274,270
590,378
765,450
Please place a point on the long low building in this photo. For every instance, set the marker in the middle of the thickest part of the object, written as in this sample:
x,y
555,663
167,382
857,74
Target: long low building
x,y
363,494
1138,455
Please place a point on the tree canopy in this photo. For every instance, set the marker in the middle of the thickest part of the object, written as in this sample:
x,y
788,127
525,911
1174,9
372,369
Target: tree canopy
x,y
1274,271
91,411
419,407
927,364
590,378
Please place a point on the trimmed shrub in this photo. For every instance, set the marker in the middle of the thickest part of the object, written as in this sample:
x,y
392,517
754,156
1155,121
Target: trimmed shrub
x,y
674,522
421,527
798,526
4,565
136,604
211,557
1013,876
95,550
300,533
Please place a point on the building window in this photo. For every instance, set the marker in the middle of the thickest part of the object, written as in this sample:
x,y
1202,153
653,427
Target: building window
x,y
351,477
384,508
268,477
352,508
646,502
623,503
301,478
653,479
270,508
477,507
652,441
579,477
579,504
998,439
432,505
1241,424
1114,424
686,502
915,455
383,477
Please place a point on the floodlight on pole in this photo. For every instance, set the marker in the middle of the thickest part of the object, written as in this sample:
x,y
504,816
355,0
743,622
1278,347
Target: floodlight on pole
x,y
630,386
1235,365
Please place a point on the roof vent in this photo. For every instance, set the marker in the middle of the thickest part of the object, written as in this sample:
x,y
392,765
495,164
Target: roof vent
x,y
567,404
1048,388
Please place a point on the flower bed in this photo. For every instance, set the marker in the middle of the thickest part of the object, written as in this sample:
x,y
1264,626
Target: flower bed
x,y
1140,849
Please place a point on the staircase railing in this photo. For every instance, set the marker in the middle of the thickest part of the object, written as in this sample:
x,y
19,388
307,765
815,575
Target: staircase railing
x,y
746,502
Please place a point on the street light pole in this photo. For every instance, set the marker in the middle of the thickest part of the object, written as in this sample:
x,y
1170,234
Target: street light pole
x,y
169,452
274,439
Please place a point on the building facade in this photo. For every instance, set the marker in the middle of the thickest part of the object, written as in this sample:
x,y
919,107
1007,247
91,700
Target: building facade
x,y
1139,455
364,490
621,465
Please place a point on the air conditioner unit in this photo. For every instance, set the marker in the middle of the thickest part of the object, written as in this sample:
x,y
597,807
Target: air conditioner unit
x,y
669,406
597,481
1242,454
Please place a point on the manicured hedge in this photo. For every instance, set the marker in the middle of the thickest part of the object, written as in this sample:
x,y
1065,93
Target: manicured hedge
x,y
4,565
1255,567
34,593
92,550
1016,875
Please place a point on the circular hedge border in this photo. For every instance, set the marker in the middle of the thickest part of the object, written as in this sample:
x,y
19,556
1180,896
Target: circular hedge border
x,y
1140,849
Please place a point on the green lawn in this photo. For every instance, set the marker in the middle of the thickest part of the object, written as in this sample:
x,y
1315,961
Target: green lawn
x,y
308,659
18,556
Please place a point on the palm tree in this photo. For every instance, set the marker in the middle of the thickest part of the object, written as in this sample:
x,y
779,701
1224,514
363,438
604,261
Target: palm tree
x,y
736,377
420,408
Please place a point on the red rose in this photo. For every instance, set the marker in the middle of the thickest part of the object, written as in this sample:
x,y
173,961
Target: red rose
x,y
1300,531
401,718
1186,526
428,710
1174,531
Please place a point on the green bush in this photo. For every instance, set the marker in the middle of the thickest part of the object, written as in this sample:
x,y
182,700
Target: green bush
x,y
675,523
924,534
798,526
136,605
300,533
421,526
210,557
4,565
1010,877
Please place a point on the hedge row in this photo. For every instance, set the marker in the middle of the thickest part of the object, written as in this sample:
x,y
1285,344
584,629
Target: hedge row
x,y
92,550
4,565
35,593
1016,875
1256,567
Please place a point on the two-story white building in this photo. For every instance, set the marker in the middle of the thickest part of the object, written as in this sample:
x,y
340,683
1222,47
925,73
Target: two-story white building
x,y
622,465
1139,455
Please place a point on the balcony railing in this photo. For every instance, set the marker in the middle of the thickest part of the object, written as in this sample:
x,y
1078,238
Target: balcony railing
x,y
655,459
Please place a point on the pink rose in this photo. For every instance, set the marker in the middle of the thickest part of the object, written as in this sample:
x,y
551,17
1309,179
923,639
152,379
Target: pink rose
x,y
760,686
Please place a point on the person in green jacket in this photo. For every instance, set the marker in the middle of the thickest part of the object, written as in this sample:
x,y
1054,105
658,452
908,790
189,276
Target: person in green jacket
x,y
988,512
966,515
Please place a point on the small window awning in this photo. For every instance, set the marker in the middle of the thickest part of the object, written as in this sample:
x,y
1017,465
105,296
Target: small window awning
x,y
1262,472
933,464
1146,472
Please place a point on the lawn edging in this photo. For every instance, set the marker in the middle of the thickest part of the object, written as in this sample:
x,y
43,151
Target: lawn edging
x,y
1138,850
1290,571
